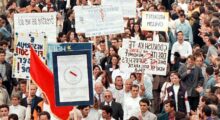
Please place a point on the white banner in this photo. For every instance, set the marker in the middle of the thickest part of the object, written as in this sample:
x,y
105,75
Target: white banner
x,y
155,21
144,57
99,20
36,22
128,6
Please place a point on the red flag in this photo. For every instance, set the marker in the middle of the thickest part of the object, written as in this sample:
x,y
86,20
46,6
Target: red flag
x,y
44,78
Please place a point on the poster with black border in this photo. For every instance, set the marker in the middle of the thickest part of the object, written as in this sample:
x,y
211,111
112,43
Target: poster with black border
x,y
73,78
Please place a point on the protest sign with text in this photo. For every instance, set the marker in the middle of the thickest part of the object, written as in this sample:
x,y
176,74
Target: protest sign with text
x,y
21,58
128,6
155,21
99,20
36,22
144,56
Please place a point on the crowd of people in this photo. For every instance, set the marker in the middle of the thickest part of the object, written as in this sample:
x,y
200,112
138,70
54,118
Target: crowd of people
x,y
189,91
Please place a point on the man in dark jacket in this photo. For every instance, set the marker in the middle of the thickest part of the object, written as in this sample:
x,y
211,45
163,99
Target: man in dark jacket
x,y
192,78
117,111
6,73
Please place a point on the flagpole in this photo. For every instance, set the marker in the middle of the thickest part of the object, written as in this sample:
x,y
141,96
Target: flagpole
x,y
29,87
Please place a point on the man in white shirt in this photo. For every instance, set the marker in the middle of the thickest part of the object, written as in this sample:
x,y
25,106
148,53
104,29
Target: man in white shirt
x,y
182,47
144,113
131,104
118,91
16,108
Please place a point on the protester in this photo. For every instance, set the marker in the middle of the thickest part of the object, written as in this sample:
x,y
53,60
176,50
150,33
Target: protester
x,y
193,36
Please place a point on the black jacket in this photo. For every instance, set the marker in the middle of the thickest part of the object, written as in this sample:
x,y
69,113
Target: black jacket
x,y
117,111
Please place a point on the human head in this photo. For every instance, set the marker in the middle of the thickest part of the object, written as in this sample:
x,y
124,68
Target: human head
x,y
114,42
144,105
84,110
2,55
190,61
199,60
106,112
209,71
33,3
15,99
176,78
108,96
182,17
98,87
23,86
4,110
62,37
128,84
206,111
211,41
33,89
102,45
115,59
4,44
113,50
44,116
169,106
96,70
134,91
180,37
119,82
13,117
133,76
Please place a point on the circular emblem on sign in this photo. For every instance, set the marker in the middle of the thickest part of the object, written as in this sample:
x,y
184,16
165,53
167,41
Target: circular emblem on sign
x,y
72,75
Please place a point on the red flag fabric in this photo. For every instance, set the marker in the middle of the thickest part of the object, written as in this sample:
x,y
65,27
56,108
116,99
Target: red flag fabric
x,y
44,78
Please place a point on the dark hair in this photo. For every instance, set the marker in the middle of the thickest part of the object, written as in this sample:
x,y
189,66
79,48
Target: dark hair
x,y
209,70
3,42
45,113
115,49
107,109
116,55
207,110
23,82
108,79
69,12
13,117
212,40
191,57
97,66
144,100
172,103
133,118
133,75
81,107
134,86
4,106
2,51
179,32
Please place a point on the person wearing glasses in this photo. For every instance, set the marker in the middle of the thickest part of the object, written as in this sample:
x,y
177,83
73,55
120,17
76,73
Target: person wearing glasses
x,y
117,111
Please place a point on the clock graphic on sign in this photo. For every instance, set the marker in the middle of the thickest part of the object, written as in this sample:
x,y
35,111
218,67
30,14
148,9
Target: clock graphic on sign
x,y
72,75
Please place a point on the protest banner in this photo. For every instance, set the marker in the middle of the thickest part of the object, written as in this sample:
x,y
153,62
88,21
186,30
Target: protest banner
x,y
59,47
21,58
80,12
128,6
99,20
75,75
36,22
144,57
155,21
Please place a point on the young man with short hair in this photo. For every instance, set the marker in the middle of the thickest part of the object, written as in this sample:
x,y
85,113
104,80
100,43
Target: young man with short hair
x,y
144,113
44,116
107,113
